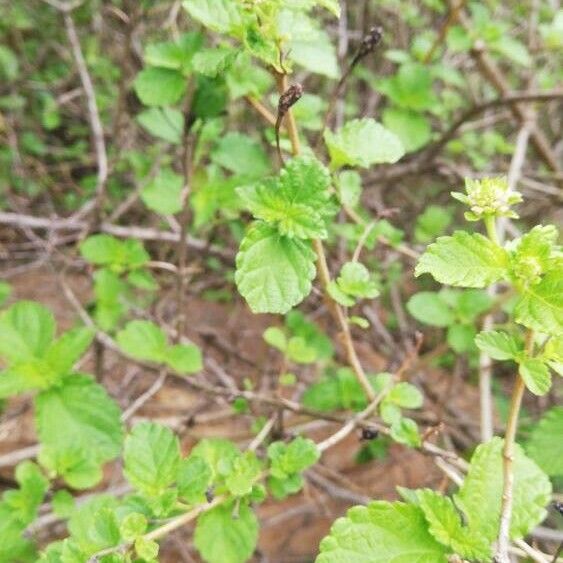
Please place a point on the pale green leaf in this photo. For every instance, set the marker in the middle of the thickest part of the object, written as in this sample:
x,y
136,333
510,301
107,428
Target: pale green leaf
x,y
363,142
164,123
26,331
381,532
464,260
220,537
429,308
151,458
541,306
243,473
78,425
445,525
405,431
405,395
184,358
276,337
212,62
536,376
480,495
105,250
194,478
288,459
545,445
159,86
64,352
143,340
274,272
163,193
218,15
499,345
412,128
241,155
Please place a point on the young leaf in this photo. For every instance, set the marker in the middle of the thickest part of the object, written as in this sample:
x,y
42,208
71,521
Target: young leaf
x,y
64,352
274,272
405,431
143,340
133,525
184,358
163,193
445,525
363,142
276,338
217,452
194,478
536,376
151,457
212,62
429,308
379,533
164,123
243,473
480,495
218,15
221,538
26,331
405,395
105,250
433,221
464,260
242,155
461,338
499,345
159,86
78,423
541,306
288,459
354,282
545,445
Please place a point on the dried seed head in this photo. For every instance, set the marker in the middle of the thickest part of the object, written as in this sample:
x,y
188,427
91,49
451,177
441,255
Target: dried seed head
x,y
289,98
370,42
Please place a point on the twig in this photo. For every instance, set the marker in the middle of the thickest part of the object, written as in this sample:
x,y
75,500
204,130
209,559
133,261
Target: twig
x,y
451,19
13,458
501,555
93,114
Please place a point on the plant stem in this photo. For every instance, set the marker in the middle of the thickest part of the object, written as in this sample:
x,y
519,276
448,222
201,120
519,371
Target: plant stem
x,y
501,555
322,267
491,226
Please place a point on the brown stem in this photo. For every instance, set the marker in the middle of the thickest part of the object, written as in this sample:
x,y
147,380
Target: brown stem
x,y
503,542
324,273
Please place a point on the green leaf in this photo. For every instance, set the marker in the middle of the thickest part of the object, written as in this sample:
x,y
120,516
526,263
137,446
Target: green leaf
x,y
64,352
105,250
499,345
221,538
480,495
354,281
276,338
159,86
26,331
331,5
461,338
444,523
93,524
298,350
541,306
288,459
429,308
218,15
174,55
217,452
380,533
545,446
63,503
243,473
133,525
146,549
362,142
212,62
241,155
164,193
164,123
410,87
143,340
142,279
349,188
412,128
464,260
194,478
431,223
405,431
79,427
296,202
274,272
151,458
536,376
405,395
184,358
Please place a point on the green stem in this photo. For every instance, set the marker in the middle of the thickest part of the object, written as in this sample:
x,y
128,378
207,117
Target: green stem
x,y
491,226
